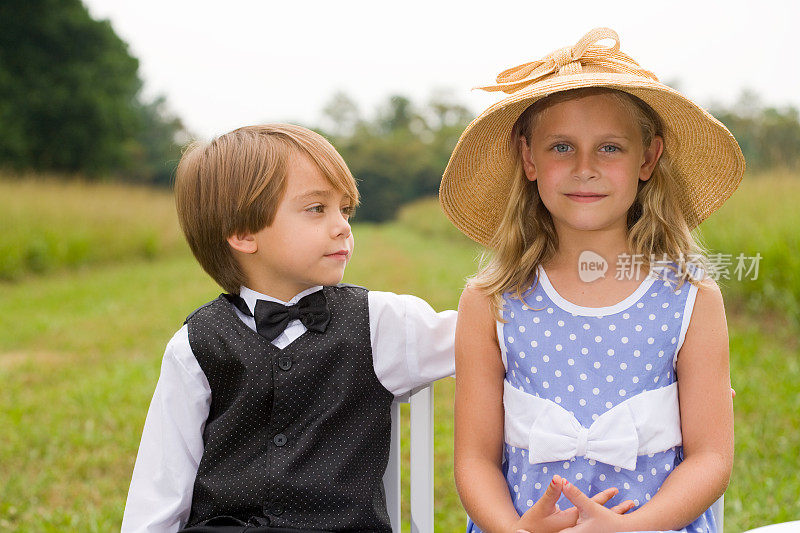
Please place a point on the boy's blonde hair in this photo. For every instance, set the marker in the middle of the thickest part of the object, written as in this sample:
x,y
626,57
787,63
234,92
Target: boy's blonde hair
x,y
526,237
233,185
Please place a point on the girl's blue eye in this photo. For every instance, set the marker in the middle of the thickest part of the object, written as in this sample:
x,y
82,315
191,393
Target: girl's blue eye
x,y
561,148
610,149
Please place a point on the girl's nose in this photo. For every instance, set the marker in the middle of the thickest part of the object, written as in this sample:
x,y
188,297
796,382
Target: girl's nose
x,y
584,166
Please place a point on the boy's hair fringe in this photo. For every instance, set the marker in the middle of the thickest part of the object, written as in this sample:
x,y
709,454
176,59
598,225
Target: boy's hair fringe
x,y
526,237
234,184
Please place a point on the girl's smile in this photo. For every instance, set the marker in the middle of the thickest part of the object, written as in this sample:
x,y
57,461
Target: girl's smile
x,y
585,197
587,158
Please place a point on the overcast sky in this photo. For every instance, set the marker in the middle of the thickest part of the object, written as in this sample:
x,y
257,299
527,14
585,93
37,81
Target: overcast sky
x,y
222,65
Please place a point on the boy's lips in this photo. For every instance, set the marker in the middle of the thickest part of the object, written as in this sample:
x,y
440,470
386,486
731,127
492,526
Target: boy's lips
x,y
341,254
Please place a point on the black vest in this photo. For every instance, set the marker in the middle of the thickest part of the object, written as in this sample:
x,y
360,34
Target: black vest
x,y
295,438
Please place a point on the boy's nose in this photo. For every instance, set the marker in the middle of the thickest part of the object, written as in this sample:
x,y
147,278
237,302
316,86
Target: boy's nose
x,y
341,227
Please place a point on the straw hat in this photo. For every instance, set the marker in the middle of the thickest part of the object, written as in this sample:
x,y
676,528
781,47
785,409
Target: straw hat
x,y
707,160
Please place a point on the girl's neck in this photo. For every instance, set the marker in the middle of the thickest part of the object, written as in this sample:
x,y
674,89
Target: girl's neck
x,y
609,243
578,279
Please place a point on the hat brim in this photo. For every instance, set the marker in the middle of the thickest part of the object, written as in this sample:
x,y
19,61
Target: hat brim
x,y
706,159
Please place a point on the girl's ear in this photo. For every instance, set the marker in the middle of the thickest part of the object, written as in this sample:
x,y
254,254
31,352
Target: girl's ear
x,y
527,161
651,157
245,243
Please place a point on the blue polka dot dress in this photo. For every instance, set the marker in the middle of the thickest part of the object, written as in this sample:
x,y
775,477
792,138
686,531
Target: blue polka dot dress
x,y
576,364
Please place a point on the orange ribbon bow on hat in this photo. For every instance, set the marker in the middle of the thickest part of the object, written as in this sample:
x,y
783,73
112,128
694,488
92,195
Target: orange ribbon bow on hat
x,y
570,60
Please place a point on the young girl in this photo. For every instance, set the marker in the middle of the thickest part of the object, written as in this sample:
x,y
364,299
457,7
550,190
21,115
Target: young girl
x,y
591,357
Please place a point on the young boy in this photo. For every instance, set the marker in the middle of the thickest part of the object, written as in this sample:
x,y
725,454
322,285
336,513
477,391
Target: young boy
x,y
272,409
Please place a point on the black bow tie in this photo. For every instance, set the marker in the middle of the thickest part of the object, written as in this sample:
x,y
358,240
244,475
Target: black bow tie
x,y
272,317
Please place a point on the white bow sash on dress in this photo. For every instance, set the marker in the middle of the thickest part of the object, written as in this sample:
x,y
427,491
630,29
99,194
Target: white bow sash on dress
x,y
646,423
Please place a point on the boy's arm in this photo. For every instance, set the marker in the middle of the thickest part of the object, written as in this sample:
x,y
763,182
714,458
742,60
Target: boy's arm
x,y
160,495
412,344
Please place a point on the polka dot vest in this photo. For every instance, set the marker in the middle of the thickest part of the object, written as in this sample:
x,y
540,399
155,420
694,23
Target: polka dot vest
x,y
295,438
587,361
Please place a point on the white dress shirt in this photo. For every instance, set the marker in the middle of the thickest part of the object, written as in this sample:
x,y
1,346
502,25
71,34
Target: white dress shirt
x,y
411,345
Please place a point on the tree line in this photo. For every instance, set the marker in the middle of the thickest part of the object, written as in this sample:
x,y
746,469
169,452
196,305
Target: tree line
x,y
71,104
70,98
398,154
769,136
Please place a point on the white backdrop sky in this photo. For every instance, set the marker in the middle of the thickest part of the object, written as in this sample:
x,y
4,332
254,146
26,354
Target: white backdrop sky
x,y
222,65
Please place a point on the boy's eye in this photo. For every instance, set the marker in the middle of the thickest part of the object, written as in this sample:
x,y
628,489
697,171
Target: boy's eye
x,y
348,210
610,149
316,208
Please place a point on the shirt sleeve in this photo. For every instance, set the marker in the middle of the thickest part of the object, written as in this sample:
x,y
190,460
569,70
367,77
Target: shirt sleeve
x,y
411,343
160,495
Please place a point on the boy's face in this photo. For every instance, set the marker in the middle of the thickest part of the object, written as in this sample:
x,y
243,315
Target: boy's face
x,y
309,242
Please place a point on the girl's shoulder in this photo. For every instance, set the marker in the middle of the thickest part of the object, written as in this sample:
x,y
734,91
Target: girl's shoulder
x,y
693,280
709,296
476,327
676,274
476,306
474,299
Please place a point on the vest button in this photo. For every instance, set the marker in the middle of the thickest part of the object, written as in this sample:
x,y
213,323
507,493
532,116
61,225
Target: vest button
x,y
279,440
277,509
285,363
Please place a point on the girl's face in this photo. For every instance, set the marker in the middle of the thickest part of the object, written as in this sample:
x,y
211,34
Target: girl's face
x,y
587,158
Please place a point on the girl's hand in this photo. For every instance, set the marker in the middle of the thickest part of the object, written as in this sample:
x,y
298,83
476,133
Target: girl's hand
x,y
592,516
546,517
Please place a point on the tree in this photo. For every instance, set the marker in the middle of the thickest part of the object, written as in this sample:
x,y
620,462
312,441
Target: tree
x,y
156,149
769,137
341,114
399,154
69,94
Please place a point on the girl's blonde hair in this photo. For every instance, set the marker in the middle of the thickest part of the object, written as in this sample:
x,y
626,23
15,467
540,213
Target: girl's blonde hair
x,y
526,236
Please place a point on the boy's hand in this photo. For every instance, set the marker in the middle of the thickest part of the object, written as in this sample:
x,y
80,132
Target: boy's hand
x,y
592,516
546,517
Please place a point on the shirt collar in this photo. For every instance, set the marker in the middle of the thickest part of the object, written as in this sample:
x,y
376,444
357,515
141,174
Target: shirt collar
x,y
250,296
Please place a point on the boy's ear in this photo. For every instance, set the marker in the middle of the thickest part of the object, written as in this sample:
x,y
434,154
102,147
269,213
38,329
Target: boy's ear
x,y
245,243
527,161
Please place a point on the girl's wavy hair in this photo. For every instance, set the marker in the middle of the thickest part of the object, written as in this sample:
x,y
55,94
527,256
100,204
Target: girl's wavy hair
x,y
526,236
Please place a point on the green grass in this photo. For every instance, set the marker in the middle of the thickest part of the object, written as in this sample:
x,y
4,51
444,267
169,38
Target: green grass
x,y
765,371
762,218
50,224
80,356
80,351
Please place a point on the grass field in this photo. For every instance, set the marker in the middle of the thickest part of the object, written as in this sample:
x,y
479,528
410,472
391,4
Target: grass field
x,y
48,224
81,342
